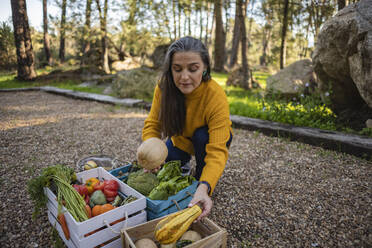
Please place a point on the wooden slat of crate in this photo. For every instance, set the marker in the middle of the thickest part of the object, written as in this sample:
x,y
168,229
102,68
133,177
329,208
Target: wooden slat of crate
x,y
213,236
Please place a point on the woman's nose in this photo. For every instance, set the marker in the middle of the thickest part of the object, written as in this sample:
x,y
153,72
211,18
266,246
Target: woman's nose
x,y
184,74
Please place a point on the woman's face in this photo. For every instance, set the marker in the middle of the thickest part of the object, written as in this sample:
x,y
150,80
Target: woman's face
x,y
187,71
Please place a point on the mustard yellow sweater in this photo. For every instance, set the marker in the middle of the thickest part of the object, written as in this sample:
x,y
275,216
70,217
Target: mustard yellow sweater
x,y
206,106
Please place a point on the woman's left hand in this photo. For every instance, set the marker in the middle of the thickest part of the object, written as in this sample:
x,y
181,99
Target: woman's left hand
x,y
202,198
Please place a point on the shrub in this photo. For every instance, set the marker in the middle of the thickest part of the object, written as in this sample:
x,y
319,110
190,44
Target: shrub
x,y
137,83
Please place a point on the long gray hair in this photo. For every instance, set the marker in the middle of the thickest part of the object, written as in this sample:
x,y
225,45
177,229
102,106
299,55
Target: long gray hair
x,y
173,110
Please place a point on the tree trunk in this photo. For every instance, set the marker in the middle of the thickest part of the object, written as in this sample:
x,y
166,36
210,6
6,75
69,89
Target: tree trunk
x,y
22,38
246,79
46,35
201,21
62,32
227,15
179,18
220,38
174,19
86,31
249,23
236,35
122,51
341,4
206,26
119,49
103,24
283,46
189,18
266,39
167,21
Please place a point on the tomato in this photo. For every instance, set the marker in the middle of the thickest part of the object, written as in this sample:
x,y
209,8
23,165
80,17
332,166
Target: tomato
x,y
99,186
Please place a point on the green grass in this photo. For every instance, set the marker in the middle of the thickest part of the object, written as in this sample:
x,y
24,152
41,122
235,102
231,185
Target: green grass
x,y
307,111
8,80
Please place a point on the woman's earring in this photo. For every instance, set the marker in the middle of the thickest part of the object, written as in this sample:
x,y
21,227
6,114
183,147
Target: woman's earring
x,y
204,73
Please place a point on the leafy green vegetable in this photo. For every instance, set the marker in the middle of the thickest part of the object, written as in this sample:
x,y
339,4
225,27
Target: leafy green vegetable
x,y
170,170
184,182
142,181
162,191
170,187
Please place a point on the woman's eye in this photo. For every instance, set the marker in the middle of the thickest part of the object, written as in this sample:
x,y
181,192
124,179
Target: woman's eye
x,y
194,69
177,69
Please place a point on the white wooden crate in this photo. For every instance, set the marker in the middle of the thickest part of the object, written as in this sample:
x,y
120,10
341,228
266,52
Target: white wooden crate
x,y
79,230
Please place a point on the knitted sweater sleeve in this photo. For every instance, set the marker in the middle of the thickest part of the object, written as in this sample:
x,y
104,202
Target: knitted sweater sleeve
x,y
219,126
152,126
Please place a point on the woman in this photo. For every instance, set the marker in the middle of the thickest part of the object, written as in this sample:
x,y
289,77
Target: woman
x,y
191,110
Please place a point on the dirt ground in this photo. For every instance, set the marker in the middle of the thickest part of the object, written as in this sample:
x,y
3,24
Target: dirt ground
x,y
273,193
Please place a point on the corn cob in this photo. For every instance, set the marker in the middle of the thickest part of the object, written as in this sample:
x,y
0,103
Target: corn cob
x,y
171,228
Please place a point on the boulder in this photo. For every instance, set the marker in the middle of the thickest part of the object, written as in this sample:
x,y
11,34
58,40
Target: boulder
x,y
158,56
369,123
128,64
292,80
236,79
342,57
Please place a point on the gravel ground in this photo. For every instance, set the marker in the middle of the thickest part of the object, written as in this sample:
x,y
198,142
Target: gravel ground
x,y
273,193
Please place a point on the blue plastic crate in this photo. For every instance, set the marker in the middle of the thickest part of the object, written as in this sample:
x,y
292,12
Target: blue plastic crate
x,y
173,208
122,172
159,208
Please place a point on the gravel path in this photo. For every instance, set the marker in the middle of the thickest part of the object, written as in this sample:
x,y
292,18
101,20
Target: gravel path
x,y
274,193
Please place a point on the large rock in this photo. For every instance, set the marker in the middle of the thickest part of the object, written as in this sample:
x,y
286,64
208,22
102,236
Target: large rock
x,y
128,64
158,56
343,57
292,80
236,78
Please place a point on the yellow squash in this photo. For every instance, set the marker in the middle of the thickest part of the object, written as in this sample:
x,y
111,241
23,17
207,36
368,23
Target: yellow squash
x,y
171,228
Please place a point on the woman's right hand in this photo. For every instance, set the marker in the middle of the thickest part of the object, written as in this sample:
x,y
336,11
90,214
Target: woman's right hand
x,y
155,170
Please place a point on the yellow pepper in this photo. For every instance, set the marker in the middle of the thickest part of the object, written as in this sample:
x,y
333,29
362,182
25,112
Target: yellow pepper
x,y
90,184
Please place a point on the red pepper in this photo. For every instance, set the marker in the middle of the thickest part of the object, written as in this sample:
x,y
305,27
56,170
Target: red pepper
x,y
110,189
81,189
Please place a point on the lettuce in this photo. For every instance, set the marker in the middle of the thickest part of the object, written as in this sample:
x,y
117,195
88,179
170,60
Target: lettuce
x,y
170,170
170,187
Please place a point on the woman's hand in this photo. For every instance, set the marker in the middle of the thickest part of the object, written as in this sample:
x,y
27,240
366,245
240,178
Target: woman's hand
x,y
202,198
155,170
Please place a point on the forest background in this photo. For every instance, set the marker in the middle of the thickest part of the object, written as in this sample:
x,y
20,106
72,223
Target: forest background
x,y
255,37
